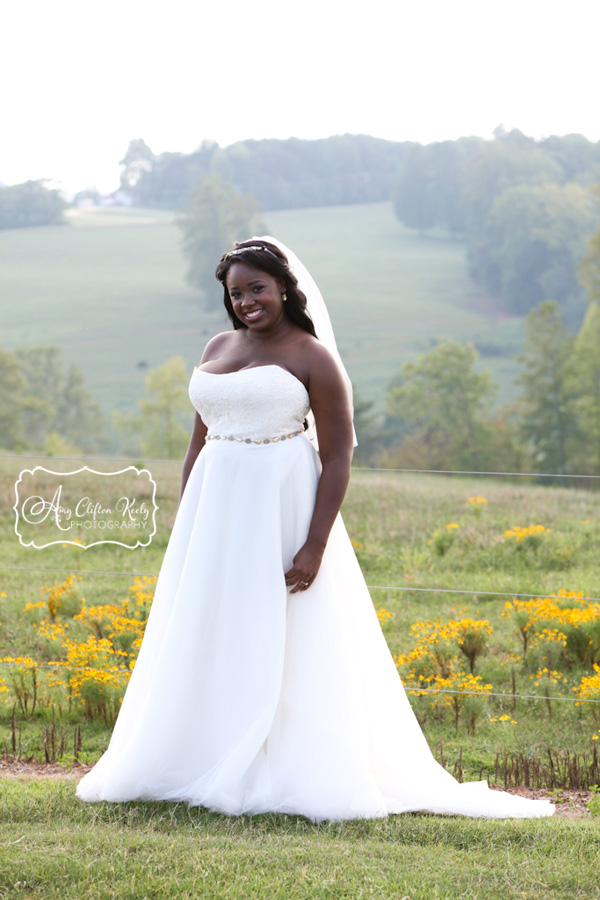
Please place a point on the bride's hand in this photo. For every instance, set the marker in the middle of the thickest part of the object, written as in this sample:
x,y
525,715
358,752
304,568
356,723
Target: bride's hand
x,y
304,569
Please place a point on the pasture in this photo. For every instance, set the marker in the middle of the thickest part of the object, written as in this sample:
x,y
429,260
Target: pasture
x,y
109,289
55,848
429,553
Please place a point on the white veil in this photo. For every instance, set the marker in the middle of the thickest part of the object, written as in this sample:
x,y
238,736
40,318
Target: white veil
x,y
317,310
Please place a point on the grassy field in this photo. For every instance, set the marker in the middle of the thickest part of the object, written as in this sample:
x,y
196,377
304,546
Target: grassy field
x,y
55,848
397,523
109,289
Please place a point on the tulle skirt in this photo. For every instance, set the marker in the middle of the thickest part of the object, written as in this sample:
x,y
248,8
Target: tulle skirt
x,y
248,699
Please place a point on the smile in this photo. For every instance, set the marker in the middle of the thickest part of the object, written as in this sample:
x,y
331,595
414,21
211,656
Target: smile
x,y
254,314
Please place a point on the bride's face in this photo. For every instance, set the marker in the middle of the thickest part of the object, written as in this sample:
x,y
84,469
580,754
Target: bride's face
x,y
255,296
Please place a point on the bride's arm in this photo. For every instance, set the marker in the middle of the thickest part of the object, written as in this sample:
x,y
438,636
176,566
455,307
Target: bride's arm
x,y
333,418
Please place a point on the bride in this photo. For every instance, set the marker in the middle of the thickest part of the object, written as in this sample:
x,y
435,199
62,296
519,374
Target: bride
x,y
264,682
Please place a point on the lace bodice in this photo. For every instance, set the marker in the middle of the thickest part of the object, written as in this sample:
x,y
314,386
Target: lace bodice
x,y
261,402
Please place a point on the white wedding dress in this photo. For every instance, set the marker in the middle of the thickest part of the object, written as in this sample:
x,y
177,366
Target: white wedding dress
x,y
246,698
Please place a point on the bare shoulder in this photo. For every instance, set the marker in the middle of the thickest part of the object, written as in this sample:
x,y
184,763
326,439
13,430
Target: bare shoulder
x,y
322,368
330,400
217,344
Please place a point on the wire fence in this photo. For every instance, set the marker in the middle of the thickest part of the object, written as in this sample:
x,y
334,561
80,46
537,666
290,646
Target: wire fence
x,y
177,462
437,590
372,587
409,688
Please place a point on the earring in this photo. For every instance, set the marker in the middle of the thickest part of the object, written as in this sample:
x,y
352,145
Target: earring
x,y
284,296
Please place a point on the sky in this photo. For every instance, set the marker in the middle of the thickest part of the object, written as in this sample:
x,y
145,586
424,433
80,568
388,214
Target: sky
x,y
81,78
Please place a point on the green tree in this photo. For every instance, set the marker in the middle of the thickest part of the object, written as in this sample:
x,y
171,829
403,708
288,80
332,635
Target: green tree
x,y
78,415
366,428
138,161
430,188
577,156
532,239
11,402
414,198
42,370
586,372
589,268
158,431
216,217
445,403
55,402
30,204
509,160
548,419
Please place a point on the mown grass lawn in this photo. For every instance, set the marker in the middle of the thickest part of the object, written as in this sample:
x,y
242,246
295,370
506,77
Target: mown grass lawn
x,y
56,848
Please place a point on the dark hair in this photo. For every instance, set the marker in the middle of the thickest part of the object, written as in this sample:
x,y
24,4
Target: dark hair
x,y
267,258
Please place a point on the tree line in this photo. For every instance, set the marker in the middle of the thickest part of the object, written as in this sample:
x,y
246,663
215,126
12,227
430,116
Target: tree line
x,y
30,204
439,406
46,406
280,174
523,207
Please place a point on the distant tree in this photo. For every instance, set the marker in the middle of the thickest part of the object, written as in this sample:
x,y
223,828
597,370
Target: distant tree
x,y
37,401
445,403
415,201
430,189
460,181
589,268
548,418
138,160
511,159
215,217
11,402
367,432
43,378
281,174
586,390
577,157
531,242
30,204
174,175
78,415
158,431
59,402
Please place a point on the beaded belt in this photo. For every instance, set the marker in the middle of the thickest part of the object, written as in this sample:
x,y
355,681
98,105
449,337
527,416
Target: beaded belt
x,y
241,440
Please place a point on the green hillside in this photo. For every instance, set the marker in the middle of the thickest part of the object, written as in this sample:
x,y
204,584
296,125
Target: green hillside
x,y
109,289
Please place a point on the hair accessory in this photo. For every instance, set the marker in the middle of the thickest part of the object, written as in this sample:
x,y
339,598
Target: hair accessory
x,y
239,250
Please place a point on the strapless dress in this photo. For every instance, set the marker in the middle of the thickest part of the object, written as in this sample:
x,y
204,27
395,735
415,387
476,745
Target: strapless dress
x,y
246,698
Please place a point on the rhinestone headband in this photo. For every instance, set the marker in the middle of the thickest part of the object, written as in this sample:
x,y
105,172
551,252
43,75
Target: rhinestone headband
x,y
254,247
